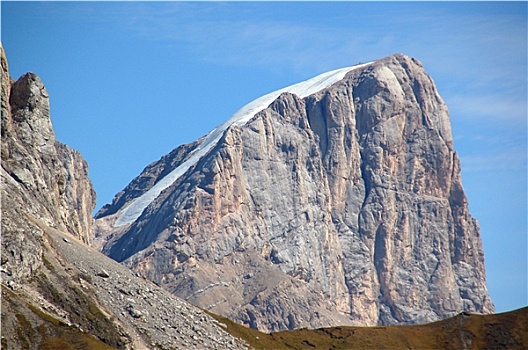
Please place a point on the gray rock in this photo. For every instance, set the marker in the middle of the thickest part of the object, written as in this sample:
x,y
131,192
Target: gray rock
x,y
345,206
103,273
133,312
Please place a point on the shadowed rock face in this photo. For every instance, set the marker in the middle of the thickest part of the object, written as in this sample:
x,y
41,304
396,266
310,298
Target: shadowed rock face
x,y
344,207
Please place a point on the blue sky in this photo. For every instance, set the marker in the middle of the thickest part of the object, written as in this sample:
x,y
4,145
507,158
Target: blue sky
x,y
130,81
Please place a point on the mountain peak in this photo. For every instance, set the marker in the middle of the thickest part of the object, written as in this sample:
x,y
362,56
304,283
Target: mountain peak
x,y
241,117
332,201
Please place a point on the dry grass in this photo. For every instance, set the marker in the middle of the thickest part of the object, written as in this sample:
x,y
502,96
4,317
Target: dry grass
x,y
36,329
464,331
470,331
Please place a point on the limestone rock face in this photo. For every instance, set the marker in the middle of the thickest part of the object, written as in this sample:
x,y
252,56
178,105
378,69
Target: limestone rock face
x,y
35,181
55,175
345,206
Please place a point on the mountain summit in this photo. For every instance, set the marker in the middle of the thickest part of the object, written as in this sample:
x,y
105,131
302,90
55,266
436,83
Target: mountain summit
x,y
338,200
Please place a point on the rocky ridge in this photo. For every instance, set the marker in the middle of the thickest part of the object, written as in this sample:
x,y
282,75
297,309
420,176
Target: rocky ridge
x,y
342,207
57,292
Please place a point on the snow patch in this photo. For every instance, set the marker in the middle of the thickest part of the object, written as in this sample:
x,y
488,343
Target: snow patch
x,y
303,89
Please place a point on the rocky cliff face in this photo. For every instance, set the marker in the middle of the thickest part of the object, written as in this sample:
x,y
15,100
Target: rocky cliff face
x,y
57,292
41,177
344,206
53,173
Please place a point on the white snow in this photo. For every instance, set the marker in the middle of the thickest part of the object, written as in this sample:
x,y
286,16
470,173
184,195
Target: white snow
x,y
303,89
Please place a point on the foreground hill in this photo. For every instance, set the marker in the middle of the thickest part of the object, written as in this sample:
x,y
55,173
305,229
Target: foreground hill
x,y
337,200
465,331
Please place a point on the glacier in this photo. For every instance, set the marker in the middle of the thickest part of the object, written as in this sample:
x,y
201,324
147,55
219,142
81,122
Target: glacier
x,y
303,89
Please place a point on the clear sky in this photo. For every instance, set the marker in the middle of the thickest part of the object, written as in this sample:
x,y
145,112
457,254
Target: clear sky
x,y
130,81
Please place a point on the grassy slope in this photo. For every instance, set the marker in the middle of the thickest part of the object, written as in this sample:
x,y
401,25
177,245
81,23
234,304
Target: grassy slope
x,y
26,324
37,329
465,331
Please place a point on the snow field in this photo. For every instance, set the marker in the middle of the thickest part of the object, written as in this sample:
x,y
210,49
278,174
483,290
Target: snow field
x,y
303,89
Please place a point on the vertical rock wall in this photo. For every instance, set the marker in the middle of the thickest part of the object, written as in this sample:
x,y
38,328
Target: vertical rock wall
x,y
345,207
41,178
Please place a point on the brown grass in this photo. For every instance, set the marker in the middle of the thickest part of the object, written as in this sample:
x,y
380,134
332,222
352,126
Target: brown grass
x,y
498,331
36,329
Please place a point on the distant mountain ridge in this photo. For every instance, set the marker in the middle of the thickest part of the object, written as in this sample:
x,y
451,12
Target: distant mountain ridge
x,y
342,206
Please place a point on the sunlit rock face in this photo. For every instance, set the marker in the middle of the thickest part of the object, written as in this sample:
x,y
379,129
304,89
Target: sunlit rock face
x,y
341,207
42,179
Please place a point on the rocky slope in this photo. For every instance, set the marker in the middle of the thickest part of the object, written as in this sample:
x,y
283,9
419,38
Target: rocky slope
x,y
57,293
344,206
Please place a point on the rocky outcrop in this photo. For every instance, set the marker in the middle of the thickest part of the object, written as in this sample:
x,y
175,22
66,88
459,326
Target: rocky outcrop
x,y
51,172
57,292
345,206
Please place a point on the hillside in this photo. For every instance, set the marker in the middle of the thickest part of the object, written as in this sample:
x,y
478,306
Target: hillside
x,y
57,291
465,331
